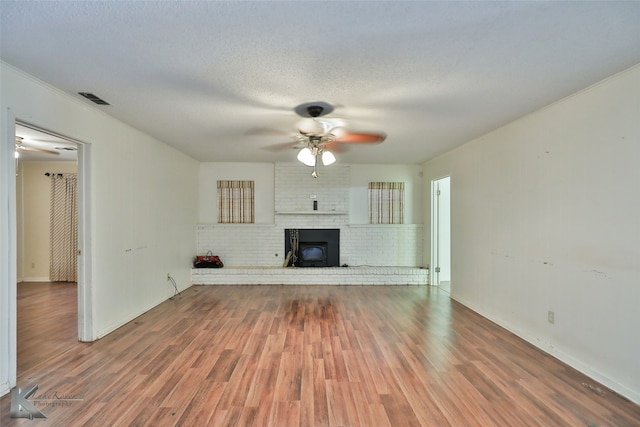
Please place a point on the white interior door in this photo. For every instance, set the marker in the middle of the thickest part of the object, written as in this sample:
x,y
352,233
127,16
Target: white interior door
x,y
441,233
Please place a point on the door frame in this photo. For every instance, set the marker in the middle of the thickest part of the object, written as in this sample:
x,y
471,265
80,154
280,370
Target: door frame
x,y
85,296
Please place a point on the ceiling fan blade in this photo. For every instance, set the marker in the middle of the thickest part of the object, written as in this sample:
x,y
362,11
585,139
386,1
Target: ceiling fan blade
x,y
313,127
361,137
263,131
283,146
39,150
335,146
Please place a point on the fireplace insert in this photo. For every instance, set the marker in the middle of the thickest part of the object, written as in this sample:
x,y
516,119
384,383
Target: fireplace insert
x,y
313,247
313,254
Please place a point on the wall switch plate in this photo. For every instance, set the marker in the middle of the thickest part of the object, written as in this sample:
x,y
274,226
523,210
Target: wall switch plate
x,y
551,317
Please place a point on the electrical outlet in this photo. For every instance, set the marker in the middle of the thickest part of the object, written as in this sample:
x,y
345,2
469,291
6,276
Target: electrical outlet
x,y
551,317
313,196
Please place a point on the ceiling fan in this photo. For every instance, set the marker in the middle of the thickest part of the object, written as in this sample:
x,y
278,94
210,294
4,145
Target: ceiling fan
x,y
21,147
317,135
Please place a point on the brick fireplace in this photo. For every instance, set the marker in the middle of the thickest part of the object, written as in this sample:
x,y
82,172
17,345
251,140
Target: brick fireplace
x,y
255,253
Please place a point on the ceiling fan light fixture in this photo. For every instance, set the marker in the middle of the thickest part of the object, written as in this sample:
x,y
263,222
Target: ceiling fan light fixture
x,y
307,157
328,158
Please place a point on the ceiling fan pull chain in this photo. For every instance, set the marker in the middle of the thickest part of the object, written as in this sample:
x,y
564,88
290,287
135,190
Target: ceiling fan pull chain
x,y
315,166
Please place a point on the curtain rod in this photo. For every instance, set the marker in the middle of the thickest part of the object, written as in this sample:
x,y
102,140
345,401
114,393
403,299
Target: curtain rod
x,y
53,174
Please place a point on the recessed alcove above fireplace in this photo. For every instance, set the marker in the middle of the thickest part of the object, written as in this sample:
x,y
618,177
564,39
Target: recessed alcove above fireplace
x,y
318,247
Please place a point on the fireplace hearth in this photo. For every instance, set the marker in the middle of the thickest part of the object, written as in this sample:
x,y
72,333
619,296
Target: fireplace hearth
x,y
313,247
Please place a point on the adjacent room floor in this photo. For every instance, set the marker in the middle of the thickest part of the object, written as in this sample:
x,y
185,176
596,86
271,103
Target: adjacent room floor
x,y
298,356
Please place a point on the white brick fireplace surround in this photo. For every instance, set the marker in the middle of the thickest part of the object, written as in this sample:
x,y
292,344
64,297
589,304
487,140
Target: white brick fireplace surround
x,y
254,253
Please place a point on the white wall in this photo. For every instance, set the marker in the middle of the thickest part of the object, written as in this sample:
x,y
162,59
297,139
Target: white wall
x,y
545,216
143,205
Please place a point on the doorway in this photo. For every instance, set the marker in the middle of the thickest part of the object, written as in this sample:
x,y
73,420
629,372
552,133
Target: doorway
x,y
68,148
46,207
441,233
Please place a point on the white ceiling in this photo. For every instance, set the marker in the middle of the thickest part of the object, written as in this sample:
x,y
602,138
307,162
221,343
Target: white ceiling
x,y
204,75
59,149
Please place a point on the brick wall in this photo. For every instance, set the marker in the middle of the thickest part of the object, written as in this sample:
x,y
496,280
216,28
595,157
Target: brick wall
x,y
295,186
398,276
262,245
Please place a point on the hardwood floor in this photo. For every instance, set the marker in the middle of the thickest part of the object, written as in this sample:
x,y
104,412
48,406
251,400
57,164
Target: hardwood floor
x,y
303,356
48,321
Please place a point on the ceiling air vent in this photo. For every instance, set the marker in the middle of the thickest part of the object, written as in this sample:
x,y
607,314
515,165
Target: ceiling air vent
x,y
93,98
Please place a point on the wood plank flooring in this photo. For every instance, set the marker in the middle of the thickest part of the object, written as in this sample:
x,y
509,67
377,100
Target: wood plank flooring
x,y
300,356
48,321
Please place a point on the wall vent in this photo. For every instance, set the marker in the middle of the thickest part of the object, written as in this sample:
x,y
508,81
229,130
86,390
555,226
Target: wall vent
x,y
93,98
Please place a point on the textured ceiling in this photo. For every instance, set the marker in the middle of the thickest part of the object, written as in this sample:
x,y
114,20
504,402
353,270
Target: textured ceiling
x,y
58,149
206,76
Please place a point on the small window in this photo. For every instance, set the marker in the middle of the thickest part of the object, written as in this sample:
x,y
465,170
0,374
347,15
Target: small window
x,y
386,202
235,202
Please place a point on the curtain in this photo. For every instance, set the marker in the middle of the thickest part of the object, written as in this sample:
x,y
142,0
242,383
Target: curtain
x,y
386,202
63,232
235,202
